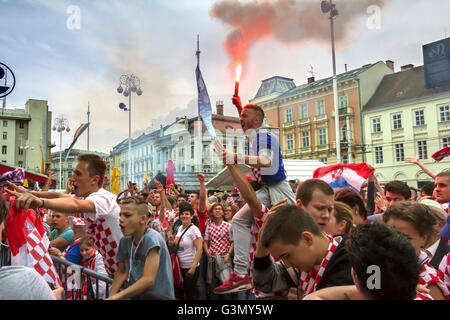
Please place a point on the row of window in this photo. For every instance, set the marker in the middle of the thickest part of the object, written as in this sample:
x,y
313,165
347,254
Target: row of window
x,y
399,150
321,133
320,108
419,118
21,124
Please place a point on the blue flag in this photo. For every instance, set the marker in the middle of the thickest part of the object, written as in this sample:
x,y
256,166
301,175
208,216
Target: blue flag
x,y
204,103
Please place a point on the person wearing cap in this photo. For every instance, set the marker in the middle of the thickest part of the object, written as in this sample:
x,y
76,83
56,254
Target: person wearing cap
x,y
436,248
72,252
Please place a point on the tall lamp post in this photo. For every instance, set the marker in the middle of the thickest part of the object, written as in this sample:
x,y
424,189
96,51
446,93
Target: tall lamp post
x,y
60,124
131,84
328,6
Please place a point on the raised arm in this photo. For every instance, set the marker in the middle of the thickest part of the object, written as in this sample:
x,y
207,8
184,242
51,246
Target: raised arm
x,y
237,103
425,169
203,200
48,182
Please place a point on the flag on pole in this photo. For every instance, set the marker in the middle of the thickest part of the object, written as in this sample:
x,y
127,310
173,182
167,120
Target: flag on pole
x,y
344,175
441,154
77,134
204,103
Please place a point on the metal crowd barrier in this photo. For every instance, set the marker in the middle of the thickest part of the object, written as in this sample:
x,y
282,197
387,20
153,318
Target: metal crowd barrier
x,y
75,277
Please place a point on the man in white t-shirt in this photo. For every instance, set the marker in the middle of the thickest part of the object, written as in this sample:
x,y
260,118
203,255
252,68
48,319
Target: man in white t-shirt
x,y
94,204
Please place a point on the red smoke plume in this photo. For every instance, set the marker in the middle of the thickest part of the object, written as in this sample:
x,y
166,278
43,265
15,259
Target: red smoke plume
x,y
289,21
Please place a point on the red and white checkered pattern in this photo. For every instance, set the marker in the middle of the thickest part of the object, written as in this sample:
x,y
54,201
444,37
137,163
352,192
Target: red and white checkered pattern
x,y
428,275
444,273
104,241
38,256
309,280
70,246
257,174
218,237
77,222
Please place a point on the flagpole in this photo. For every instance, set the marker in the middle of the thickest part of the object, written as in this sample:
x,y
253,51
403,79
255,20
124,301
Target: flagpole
x,y
198,66
88,114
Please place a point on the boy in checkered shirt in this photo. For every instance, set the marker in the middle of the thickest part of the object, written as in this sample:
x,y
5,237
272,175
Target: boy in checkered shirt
x,y
266,162
97,206
310,259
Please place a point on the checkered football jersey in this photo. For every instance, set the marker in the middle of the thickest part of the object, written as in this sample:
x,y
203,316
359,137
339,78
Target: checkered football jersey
x,y
103,227
428,275
218,237
444,273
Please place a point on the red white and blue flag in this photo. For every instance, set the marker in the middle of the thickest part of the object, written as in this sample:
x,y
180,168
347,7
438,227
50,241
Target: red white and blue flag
x,y
344,175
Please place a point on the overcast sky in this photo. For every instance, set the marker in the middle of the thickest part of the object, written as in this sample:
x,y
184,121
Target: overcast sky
x,y
156,40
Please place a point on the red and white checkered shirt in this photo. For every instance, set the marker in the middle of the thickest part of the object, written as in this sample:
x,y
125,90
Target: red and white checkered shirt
x,y
257,174
103,227
218,237
428,275
444,273
309,280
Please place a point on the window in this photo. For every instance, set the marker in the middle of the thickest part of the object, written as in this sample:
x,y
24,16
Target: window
x,y
378,154
5,123
422,149
445,141
320,107
4,149
305,139
288,115
20,151
444,114
290,141
304,111
376,125
192,151
20,163
343,101
21,124
322,136
5,135
345,159
344,133
399,152
397,121
419,116
324,160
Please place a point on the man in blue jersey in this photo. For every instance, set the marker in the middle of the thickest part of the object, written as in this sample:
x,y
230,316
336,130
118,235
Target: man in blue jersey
x,y
266,161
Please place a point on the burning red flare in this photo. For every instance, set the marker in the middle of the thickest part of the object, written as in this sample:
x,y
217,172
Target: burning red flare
x,y
237,78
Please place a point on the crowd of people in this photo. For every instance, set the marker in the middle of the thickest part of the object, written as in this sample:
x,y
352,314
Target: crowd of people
x,y
266,239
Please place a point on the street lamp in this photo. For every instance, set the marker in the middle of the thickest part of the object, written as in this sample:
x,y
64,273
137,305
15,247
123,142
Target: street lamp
x,y
132,84
328,6
60,124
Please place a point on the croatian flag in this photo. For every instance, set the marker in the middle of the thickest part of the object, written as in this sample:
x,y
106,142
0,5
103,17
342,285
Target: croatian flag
x,y
344,175
441,154
204,103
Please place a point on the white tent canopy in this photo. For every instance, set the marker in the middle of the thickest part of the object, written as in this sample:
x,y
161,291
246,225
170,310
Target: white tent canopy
x,y
295,169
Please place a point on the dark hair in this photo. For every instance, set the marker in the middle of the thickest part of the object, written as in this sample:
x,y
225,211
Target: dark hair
x,y
96,165
419,215
287,226
379,245
352,198
4,210
398,187
412,189
184,196
257,109
428,188
196,193
216,204
308,187
185,206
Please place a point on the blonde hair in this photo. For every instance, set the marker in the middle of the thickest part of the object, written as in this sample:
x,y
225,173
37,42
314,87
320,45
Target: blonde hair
x,y
343,212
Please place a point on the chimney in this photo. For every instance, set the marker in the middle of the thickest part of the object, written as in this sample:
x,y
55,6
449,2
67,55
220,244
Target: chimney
x,y
407,67
219,107
310,79
390,64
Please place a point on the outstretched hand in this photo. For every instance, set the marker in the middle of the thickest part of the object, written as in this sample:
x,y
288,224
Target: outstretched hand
x,y
24,200
236,100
